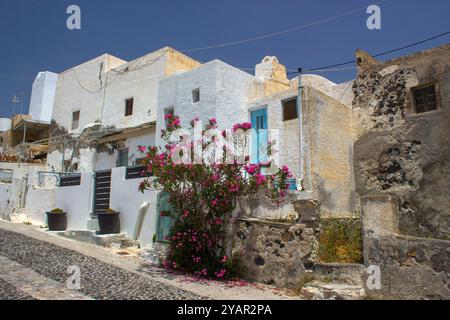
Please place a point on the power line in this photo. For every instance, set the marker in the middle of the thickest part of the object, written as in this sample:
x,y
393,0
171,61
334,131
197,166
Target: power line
x,y
381,53
277,33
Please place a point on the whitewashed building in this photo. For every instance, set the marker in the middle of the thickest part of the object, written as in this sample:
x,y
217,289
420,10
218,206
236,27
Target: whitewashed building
x,y
106,107
268,100
42,96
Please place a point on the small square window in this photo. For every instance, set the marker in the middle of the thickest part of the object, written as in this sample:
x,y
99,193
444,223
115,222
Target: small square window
x,y
196,95
290,109
122,158
75,120
425,98
129,107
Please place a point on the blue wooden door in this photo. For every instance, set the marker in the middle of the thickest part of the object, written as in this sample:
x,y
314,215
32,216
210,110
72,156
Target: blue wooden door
x,y
165,223
259,136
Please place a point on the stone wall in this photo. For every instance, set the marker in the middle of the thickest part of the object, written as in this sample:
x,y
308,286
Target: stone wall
x,y
275,253
398,151
276,247
411,267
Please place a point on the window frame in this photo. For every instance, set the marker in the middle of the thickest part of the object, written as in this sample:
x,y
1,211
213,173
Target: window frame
x,y
77,121
170,108
423,86
120,153
196,94
283,102
126,106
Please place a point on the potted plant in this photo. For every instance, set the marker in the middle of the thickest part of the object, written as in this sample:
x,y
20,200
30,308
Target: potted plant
x,y
56,220
108,221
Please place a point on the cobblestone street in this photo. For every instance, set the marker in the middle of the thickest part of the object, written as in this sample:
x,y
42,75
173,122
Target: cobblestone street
x,y
34,265
48,263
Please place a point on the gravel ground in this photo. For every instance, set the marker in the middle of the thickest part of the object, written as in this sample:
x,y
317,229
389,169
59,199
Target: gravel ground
x,y
99,280
9,292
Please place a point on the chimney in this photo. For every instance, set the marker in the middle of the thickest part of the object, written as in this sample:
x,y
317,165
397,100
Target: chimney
x,y
271,69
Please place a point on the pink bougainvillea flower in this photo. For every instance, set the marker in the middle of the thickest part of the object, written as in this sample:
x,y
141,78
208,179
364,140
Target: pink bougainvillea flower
x,y
221,273
251,168
260,179
142,149
244,126
224,259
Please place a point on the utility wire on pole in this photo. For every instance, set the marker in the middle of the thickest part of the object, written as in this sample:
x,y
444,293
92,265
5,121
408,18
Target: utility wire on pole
x,y
300,128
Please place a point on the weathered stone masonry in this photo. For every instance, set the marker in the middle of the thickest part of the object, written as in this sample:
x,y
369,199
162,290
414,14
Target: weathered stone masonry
x,y
402,172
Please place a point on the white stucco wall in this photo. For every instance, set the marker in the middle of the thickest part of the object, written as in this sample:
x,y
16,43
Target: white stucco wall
x,y
5,193
223,94
82,88
139,80
77,202
126,199
42,96
38,202
24,176
133,143
108,159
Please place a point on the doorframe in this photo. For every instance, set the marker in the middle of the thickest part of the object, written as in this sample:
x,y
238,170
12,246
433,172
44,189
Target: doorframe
x,y
254,109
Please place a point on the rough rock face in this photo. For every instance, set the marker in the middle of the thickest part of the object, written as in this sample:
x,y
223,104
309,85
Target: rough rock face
x,y
398,151
276,253
411,268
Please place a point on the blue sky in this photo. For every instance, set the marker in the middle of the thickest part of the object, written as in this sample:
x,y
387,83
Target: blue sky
x,y
34,37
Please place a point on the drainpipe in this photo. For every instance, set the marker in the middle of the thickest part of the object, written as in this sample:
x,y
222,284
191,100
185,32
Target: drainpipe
x,y
63,154
300,130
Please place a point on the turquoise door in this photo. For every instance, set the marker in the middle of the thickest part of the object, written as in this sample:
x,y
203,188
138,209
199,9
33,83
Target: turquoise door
x,y
259,136
165,223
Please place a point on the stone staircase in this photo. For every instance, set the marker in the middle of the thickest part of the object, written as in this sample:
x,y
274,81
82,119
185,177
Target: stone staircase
x,y
336,281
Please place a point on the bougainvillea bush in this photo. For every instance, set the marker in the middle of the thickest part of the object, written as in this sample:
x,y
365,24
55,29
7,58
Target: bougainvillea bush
x,y
202,197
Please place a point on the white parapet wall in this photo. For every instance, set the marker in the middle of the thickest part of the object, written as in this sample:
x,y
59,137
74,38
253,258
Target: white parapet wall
x,y
16,179
126,198
38,202
77,202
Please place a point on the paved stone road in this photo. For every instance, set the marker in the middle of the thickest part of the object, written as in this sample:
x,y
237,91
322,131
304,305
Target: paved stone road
x,y
9,292
99,280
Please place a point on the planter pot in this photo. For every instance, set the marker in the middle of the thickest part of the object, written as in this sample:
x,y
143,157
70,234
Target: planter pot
x,y
109,223
56,221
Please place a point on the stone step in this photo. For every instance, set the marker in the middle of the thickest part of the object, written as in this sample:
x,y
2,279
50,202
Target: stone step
x,y
154,254
116,241
317,290
349,273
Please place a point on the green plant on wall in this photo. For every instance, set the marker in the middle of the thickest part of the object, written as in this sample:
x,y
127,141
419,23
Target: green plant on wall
x,y
340,240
